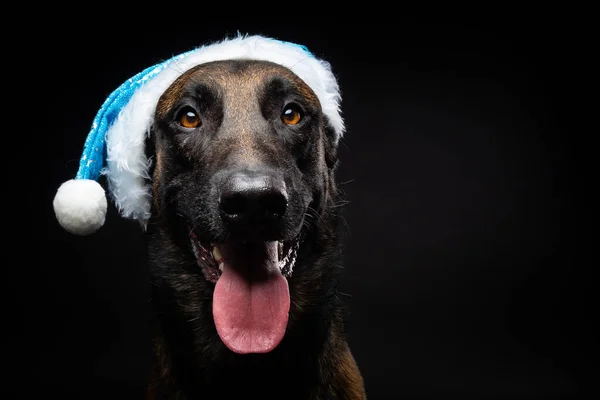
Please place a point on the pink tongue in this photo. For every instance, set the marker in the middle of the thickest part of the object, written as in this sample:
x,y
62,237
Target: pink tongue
x,y
251,300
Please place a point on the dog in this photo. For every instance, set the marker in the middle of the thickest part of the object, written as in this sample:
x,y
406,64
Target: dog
x,y
227,156
244,242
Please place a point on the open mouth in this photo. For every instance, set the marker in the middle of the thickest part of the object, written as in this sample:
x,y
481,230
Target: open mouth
x,y
210,257
251,299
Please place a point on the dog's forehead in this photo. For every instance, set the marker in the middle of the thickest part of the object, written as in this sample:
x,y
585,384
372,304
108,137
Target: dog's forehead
x,y
233,76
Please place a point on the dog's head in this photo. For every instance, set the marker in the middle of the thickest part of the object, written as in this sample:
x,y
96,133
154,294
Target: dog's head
x,y
241,150
243,172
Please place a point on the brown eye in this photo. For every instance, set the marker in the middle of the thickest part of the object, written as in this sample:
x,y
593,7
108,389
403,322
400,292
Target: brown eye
x,y
291,115
188,118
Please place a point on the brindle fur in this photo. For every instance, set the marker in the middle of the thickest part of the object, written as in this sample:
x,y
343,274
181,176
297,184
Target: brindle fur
x,y
239,102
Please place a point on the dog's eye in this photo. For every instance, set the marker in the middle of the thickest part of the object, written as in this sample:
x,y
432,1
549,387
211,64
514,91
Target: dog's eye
x,y
291,115
188,118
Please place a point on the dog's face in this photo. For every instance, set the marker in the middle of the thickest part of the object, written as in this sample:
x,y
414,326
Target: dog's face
x,y
243,167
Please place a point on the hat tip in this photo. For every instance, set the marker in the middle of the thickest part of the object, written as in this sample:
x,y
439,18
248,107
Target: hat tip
x,y
80,206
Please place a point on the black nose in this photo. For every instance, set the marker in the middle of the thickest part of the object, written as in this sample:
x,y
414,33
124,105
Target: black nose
x,y
249,199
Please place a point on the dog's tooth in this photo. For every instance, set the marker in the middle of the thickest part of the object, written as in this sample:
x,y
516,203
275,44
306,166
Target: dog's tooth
x,y
221,267
217,253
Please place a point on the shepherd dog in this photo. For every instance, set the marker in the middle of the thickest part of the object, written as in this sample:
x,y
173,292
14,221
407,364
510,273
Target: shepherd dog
x,y
245,240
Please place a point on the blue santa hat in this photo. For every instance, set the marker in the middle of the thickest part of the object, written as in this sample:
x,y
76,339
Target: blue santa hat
x,y
115,145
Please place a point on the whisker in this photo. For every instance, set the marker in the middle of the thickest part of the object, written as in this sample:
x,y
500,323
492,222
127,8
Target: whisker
x,y
341,203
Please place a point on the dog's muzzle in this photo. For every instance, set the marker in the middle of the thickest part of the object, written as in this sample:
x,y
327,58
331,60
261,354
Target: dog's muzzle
x,y
251,265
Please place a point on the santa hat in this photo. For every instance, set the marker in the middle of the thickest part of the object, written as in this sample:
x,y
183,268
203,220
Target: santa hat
x,y
115,144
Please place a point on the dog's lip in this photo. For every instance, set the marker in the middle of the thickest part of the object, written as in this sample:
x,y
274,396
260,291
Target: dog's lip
x,y
210,259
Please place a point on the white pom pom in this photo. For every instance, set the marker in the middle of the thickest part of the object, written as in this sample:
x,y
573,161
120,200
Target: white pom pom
x,y
80,206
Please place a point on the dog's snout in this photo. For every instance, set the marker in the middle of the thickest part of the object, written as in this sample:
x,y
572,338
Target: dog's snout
x,y
253,198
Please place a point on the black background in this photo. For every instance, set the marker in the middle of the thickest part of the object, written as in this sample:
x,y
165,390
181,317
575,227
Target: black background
x,y
460,272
